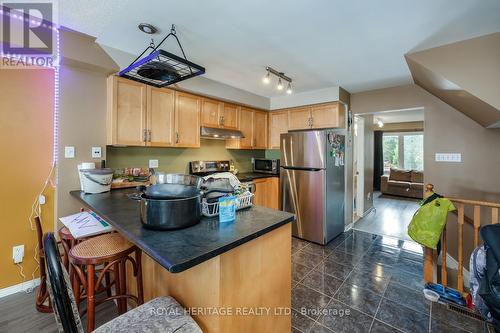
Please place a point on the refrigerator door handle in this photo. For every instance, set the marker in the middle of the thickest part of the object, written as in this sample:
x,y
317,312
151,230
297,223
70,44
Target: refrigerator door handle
x,y
302,168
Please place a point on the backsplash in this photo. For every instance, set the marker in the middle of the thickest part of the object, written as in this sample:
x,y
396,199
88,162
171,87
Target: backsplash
x,y
177,159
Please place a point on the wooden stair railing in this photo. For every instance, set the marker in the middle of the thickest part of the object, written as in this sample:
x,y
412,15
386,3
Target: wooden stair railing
x,y
430,256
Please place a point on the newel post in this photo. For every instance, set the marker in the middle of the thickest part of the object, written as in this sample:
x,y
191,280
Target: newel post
x,y
430,262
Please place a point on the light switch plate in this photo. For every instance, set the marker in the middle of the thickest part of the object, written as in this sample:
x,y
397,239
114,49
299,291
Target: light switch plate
x,y
96,152
153,163
69,152
18,254
448,157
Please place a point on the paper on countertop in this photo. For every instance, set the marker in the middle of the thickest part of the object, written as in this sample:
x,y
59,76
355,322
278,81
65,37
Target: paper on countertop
x,y
85,224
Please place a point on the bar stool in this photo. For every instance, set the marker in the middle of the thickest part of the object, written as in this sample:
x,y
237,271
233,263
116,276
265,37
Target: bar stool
x,y
112,252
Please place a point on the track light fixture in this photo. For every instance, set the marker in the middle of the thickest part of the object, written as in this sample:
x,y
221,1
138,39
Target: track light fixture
x,y
281,77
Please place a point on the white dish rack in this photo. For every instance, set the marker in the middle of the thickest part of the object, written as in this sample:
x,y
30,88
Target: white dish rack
x,y
212,209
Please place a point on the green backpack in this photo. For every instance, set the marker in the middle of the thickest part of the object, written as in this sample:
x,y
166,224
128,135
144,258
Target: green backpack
x,y
428,222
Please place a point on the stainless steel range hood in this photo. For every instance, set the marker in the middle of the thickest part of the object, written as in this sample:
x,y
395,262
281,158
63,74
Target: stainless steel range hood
x,y
220,133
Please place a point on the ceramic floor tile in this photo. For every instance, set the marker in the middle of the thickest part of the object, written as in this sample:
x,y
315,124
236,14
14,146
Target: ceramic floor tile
x,y
354,247
318,328
306,259
343,258
412,299
359,298
308,301
379,327
299,271
298,244
402,318
409,280
410,266
334,269
341,318
323,283
318,250
374,268
441,327
380,257
301,322
372,282
449,317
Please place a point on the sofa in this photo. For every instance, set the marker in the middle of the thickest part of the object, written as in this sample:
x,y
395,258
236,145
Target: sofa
x,y
404,183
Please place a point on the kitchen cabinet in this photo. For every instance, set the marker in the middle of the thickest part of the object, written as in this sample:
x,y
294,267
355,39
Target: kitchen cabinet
x,y
253,125
160,117
278,124
126,118
218,114
187,120
266,192
328,115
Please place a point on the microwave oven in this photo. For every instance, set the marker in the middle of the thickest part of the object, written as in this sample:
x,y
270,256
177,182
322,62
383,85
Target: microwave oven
x,y
265,165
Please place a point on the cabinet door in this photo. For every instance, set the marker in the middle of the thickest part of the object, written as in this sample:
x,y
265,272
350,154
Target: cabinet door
x,y
278,124
299,118
126,112
161,102
325,116
274,192
260,192
260,130
246,127
211,113
187,120
230,116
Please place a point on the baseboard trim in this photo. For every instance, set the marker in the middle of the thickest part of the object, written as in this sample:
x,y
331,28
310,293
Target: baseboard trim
x,y
19,287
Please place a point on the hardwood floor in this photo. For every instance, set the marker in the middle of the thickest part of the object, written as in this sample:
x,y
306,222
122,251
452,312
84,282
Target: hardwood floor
x,y
390,217
18,315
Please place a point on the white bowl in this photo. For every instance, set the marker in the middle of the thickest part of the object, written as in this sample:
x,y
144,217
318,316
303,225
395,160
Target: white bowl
x,y
431,295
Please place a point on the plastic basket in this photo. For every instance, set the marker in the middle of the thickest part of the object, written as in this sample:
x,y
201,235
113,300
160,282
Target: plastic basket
x,y
212,209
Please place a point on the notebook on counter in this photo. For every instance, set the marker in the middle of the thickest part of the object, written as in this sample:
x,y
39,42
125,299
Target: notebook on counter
x,y
85,224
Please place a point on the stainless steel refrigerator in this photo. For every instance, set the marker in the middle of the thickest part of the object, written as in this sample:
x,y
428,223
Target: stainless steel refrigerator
x,y
313,183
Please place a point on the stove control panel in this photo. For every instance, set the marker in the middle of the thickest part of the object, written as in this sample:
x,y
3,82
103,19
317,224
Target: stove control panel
x,y
207,167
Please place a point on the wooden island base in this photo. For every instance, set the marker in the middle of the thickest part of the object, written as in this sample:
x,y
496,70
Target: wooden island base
x,y
249,287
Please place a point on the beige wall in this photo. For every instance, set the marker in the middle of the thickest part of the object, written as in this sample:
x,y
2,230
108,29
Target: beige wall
x,y
177,160
445,130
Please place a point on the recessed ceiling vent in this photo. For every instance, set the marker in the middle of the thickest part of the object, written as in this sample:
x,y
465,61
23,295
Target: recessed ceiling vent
x,y
161,68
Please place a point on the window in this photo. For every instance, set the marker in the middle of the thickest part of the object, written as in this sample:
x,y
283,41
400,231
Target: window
x,y
403,151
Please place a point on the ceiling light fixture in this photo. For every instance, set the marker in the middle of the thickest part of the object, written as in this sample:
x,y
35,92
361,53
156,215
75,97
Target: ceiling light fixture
x,y
266,79
280,84
281,77
147,28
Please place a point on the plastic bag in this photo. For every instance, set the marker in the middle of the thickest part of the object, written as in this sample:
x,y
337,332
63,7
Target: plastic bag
x,y
428,222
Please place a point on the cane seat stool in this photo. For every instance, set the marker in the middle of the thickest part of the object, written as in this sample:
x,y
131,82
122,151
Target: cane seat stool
x,y
95,259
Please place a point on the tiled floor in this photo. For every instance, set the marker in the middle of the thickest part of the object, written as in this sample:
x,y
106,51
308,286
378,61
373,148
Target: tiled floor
x,y
361,282
390,217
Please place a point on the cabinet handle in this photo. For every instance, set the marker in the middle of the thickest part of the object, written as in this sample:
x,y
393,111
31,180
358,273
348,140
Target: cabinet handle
x,y
222,120
149,135
145,135
176,137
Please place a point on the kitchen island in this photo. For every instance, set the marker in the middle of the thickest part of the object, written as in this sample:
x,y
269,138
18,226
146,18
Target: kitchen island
x,y
233,277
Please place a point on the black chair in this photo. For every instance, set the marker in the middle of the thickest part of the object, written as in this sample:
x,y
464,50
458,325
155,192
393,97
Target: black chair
x,y
162,314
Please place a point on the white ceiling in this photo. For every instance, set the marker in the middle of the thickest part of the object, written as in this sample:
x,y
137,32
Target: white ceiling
x,y
403,116
357,44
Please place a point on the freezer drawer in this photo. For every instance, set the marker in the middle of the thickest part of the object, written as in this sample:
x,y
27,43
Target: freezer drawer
x,y
302,193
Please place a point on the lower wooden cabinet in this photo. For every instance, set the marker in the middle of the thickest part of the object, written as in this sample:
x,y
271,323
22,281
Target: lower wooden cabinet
x,y
266,192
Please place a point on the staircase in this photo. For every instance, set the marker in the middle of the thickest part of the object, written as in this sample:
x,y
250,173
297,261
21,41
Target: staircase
x,y
466,230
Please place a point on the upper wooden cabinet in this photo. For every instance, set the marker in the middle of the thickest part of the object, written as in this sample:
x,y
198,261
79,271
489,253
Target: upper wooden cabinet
x,y
140,115
253,125
160,117
326,115
278,124
218,114
126,118
187,120
260,129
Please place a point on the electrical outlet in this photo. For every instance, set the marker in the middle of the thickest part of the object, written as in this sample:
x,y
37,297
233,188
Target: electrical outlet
x,y
96,152
69,152
18,254
153,163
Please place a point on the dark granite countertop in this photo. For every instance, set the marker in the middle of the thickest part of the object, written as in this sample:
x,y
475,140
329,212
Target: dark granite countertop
x,y
178,250
249,176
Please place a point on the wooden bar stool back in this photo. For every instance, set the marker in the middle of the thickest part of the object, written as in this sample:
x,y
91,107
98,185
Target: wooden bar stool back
x,y
111,251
